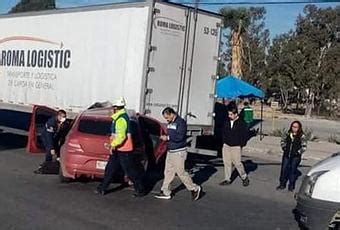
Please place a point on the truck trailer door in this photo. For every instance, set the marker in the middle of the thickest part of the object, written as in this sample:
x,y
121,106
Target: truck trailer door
x,y
40,115
165,73
203,51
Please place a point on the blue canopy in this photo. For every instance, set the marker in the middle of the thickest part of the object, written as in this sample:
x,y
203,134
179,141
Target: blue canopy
x,y
231,87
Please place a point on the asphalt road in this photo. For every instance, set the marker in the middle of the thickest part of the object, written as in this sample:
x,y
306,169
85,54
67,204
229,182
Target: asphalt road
x,y
30,201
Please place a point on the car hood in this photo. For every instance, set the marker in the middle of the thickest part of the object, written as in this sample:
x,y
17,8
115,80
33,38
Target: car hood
x,y
328,164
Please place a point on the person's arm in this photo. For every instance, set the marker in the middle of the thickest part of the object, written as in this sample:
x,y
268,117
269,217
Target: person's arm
x,y
112,135
50,125
283,141
244,133
120,134
303,145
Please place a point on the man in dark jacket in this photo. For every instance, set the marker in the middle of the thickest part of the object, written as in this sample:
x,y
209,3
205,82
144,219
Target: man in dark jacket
x,y
234,137
221,112
51,137
176,156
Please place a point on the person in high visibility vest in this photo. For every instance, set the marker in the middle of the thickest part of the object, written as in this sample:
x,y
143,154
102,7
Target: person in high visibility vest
x,y
247,114
121,152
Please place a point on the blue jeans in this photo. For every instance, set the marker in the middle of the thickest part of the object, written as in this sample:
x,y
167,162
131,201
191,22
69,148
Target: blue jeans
x,y
131,167
289,170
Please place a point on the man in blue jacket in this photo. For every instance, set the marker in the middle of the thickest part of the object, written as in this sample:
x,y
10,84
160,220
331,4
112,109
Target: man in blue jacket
x,y
51,137
176,156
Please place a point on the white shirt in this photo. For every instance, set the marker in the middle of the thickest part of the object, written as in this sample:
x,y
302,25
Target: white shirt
x,y
231,123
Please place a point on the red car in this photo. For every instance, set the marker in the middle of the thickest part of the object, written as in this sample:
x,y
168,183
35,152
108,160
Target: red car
x,y
83,152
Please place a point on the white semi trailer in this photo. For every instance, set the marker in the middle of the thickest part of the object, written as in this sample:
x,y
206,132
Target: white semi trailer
x,y
154,54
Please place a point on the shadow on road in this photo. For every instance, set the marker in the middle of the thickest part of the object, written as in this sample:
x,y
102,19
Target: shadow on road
x,y
201,174
249,166
279,164
11,141
200,167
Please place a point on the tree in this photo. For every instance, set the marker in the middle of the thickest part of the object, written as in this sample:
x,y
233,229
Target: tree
x,y
256,44
236,20
246,43
315,37
306,61
33,5
280,79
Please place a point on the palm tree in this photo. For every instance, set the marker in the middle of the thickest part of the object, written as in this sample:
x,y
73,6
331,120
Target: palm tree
x,y
236,20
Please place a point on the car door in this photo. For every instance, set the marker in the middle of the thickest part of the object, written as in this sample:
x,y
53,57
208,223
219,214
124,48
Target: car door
x,y
151,131
40,115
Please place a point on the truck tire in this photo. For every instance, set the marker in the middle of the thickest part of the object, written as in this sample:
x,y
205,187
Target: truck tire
x,y
63,179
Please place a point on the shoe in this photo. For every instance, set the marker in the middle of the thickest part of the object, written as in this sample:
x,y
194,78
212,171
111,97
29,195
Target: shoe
x,y
195,195
291,188
245,182
130,183
100,192
225,182
139,194
280,187
161,195
38,171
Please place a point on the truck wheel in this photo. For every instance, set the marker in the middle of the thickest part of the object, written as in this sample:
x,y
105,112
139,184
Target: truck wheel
x,y
63,179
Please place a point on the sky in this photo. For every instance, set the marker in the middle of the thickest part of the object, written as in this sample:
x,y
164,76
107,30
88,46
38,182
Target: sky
x,y
280,18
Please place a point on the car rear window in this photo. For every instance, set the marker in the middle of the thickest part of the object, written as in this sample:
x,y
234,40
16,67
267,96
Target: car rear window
x,y
96,127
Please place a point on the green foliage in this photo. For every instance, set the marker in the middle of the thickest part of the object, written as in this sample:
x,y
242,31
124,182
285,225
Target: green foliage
x,y
33,5
221,70
309,134
302,66
306,61
334,139
278,132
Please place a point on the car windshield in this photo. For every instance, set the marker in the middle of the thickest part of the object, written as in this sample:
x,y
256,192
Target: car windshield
x,y
96,127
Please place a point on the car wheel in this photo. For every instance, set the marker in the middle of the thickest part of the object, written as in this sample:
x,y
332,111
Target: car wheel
x,y
63,179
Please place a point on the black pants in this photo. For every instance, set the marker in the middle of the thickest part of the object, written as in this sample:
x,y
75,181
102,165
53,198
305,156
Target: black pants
x,y
131,167
48,145
289,170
